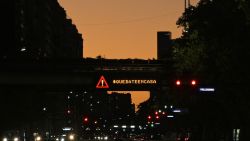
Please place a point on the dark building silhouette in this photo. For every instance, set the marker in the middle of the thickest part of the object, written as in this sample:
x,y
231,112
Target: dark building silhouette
x,y
110,107
164,45
121,108
35,30
38,29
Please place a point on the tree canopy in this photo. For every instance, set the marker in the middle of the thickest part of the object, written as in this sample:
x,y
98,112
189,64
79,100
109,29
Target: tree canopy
x,y
215,46
215,41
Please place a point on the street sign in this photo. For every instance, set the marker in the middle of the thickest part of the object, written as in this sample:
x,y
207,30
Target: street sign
x,y
207,89
102,83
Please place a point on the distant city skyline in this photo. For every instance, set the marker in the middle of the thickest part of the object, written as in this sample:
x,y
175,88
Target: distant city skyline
x,y
126,28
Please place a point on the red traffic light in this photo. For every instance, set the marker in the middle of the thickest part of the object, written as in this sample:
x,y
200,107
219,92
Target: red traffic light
x,y
85,119
149,117
193,82
178,82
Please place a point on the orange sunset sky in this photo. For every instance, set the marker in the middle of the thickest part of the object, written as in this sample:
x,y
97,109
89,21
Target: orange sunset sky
x,y
124,28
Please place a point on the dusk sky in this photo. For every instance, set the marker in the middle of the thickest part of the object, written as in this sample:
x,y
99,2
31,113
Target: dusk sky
x,y
124,28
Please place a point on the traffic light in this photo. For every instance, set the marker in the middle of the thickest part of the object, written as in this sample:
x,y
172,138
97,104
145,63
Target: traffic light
x,y
85,120
157,117
193,82
178,82
149,117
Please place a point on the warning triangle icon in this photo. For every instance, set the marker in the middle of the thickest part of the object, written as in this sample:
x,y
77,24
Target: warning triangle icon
x,y
102,83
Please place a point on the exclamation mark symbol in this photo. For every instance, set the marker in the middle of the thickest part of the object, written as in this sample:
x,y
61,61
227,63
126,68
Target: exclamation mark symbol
x,y
102,83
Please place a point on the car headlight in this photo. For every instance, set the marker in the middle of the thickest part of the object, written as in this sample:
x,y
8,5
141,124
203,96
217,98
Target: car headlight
x,y
38,138
71,137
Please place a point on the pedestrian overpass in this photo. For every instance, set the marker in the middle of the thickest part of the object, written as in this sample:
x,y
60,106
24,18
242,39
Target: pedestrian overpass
x,y
126,74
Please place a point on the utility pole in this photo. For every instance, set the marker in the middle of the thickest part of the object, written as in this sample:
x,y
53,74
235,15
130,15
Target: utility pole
x,y
185,5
